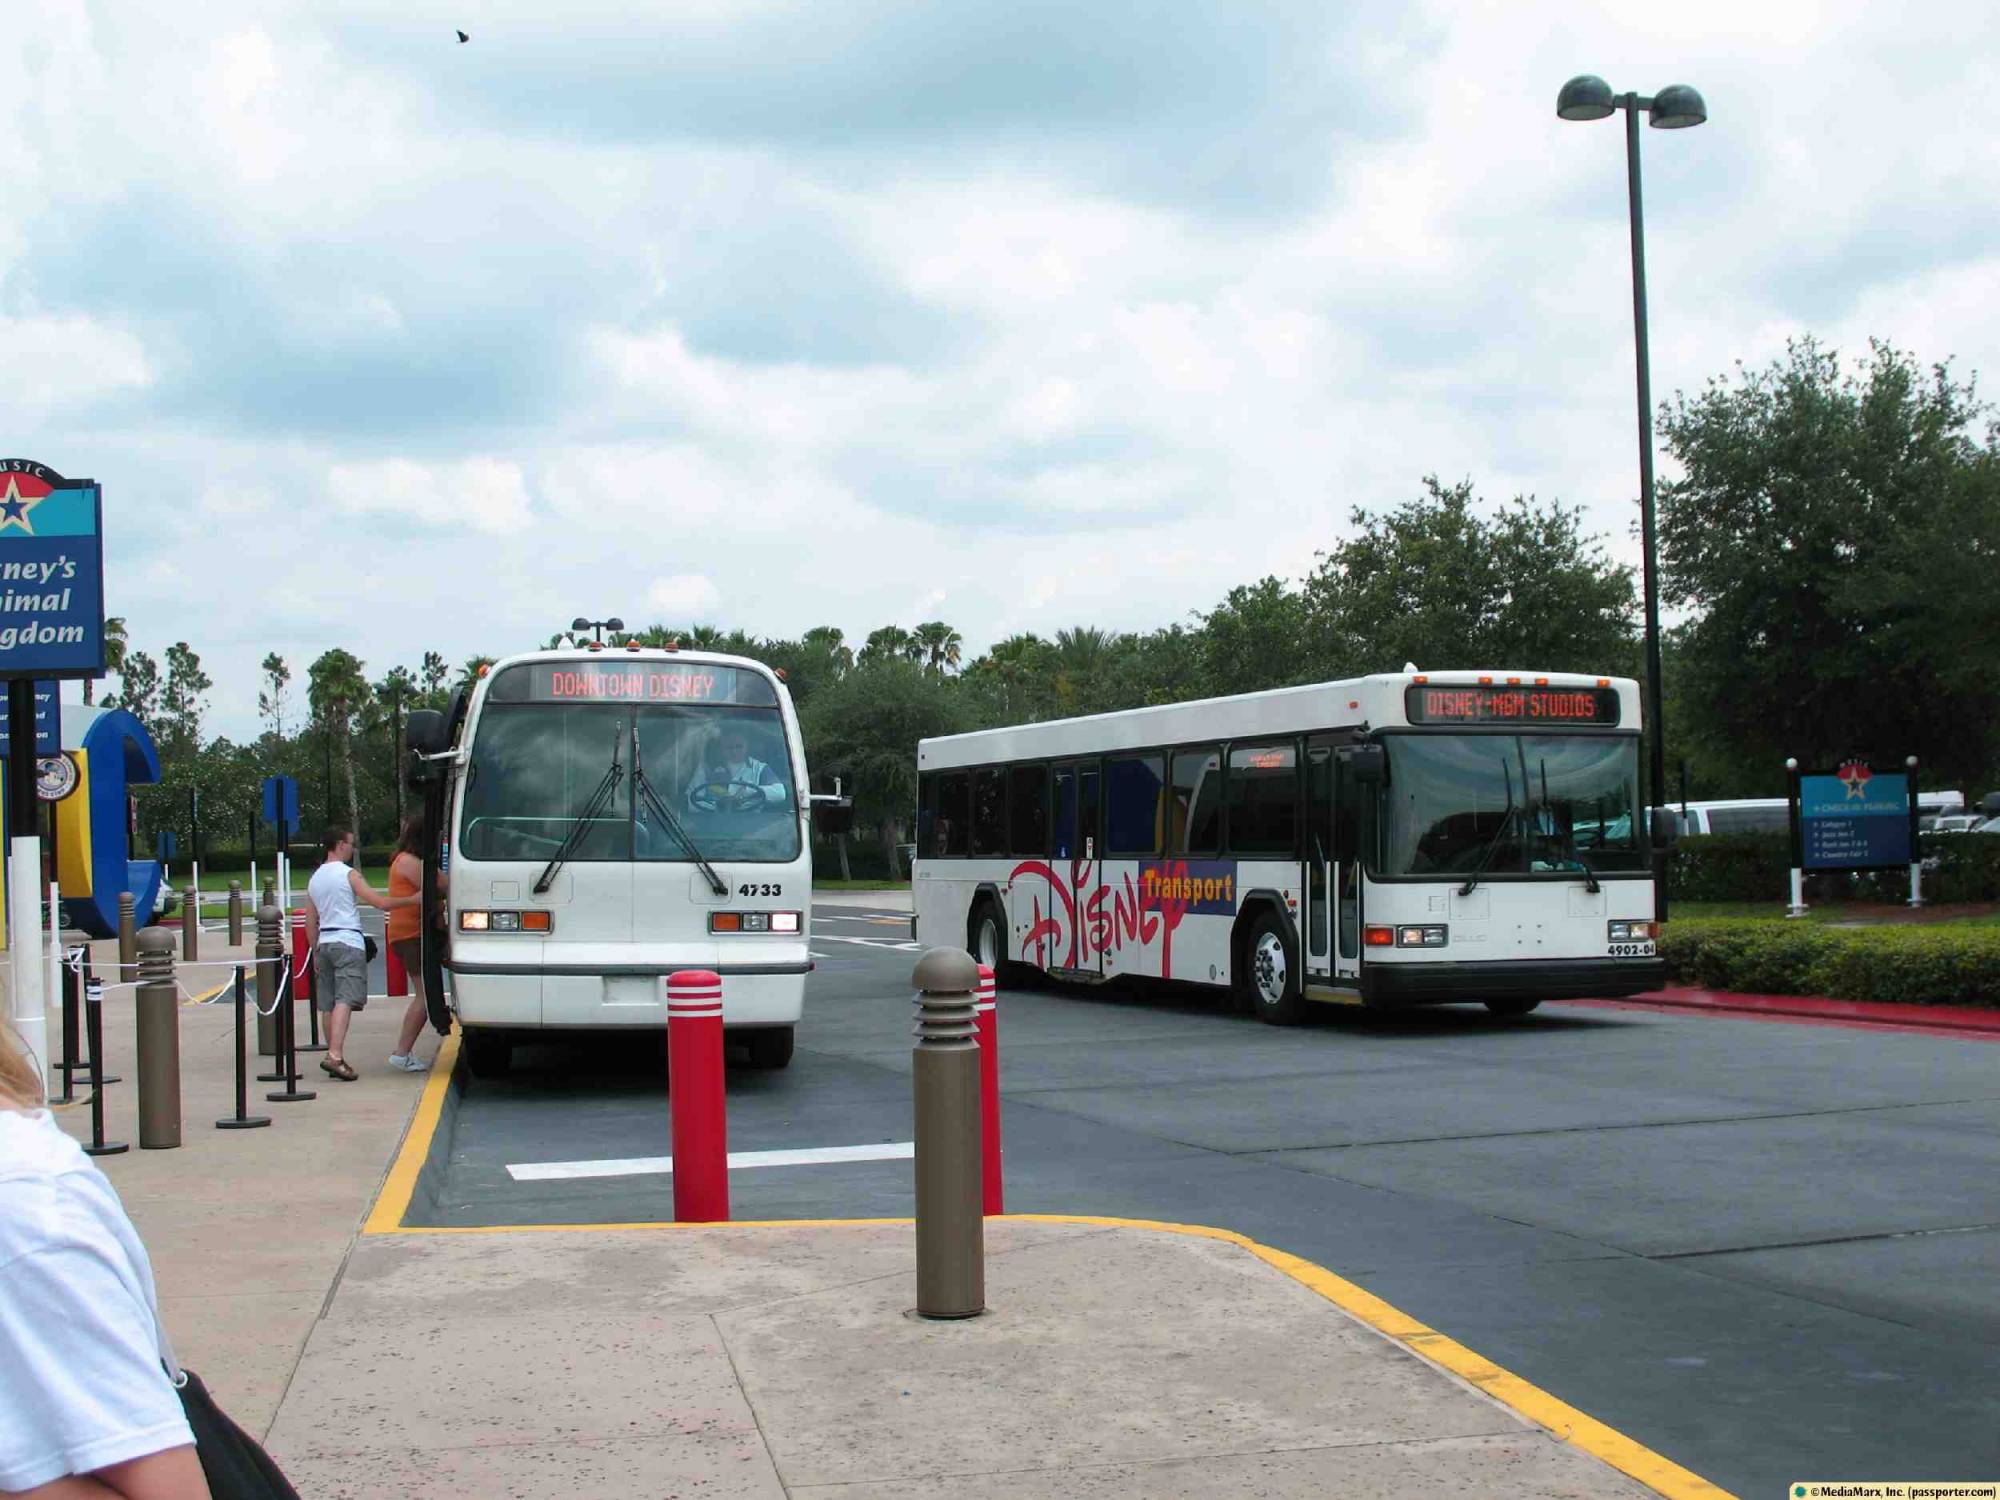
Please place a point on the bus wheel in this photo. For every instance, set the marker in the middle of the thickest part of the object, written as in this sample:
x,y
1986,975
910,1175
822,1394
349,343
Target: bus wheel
x,y
770,1047
986,942
488,1053
1269,979
1515,1007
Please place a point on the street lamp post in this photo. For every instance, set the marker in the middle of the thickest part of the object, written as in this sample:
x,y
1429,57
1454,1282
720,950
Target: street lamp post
x,y
1676,107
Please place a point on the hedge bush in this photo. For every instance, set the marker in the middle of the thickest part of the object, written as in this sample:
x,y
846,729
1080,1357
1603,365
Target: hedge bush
x,y
1757,867
1910,965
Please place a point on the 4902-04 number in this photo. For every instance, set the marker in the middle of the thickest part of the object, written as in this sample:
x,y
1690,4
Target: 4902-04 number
x,y
1631,950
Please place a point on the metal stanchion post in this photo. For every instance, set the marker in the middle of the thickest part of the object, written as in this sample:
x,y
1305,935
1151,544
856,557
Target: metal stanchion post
x,y
235,913
69,1031
98,1077
191,925
986,1013
268,978
242,1119
128,944
93,1001
157,1009
951,1234
288,1038
696,1097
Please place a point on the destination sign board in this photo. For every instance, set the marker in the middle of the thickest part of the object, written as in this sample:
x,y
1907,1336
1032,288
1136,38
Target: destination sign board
x,y
661,682
1855,818
1483,704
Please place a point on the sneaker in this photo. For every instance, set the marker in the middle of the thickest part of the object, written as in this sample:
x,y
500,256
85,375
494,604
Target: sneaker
x,y
408,1062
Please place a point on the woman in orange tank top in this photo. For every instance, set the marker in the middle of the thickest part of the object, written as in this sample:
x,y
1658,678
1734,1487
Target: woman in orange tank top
x,y
406,877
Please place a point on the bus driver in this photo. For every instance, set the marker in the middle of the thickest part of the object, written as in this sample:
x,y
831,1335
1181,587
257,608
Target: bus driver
x,y
732,779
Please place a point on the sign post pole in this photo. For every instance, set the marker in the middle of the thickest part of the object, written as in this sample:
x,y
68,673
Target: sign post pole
x,y
24,875
1798,906
1916,852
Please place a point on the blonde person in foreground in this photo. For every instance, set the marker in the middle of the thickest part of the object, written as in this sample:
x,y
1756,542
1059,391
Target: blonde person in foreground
x,y
86,1408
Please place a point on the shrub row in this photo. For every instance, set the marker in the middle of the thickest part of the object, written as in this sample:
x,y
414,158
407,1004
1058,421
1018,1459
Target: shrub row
x,y
1757,867
1905,965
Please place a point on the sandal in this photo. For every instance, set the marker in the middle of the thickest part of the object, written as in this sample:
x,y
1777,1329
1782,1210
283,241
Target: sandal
x,y
343,1070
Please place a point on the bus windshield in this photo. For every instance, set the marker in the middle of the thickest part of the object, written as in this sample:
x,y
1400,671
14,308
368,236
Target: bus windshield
x,y
725,774
1510,804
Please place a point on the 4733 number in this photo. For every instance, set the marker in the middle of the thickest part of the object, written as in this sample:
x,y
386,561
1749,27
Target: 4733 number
x,y
751,888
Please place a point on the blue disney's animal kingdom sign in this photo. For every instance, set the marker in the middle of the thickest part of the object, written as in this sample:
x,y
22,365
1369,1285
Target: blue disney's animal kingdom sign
x,y
51,573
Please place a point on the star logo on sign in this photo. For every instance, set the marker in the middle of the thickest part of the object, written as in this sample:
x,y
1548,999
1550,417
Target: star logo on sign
x,y
14,507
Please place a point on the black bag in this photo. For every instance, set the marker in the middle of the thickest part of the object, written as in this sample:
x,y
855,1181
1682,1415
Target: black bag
x,y
234,1463
369,939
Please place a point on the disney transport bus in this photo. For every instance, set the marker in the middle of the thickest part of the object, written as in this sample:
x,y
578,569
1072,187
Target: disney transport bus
x,y
1402,839
611,815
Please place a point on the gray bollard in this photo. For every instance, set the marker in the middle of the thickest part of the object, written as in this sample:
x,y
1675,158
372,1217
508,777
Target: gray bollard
x,y
270,897
944,1068
191,925
128,946
235,913
269,919
157,1006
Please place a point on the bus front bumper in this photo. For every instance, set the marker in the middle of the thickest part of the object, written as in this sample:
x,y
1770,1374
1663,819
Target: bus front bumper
x,y
1391,986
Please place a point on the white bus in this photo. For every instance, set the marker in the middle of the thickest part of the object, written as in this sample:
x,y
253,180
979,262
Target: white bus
x,y
610,815
1402,839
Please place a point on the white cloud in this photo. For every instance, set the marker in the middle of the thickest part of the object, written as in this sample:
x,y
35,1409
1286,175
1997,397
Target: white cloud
x,y
684,596
485,494
60,362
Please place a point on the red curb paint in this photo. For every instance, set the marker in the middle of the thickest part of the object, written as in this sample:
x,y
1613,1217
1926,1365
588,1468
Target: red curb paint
x,y
1974,1022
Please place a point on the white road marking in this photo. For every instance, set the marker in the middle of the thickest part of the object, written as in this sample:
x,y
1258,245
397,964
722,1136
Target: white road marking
x,y
646,1166
864,942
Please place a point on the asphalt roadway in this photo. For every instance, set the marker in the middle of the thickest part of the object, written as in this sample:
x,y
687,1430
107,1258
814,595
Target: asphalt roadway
x,y
1769,1251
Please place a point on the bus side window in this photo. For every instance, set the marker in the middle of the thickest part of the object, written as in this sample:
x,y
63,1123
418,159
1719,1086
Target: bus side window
x,y
1029,809
989,811
1133,806
953,814
1197,801
927,793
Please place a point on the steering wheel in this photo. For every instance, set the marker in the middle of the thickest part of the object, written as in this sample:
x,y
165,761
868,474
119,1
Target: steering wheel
x,y
728,797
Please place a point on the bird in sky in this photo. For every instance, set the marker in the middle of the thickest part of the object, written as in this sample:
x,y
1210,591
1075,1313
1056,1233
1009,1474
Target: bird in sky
x,y
463,37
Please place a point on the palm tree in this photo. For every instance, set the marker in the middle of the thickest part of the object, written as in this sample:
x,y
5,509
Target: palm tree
x,y
941,646
1015,663
114,654
828,640
474,665
703,637
1080,654
890,643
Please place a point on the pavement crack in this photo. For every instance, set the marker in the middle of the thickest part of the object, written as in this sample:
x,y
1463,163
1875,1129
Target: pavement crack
x,y
736,1374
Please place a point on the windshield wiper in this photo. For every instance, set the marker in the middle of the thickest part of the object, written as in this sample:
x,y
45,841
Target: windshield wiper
x,y
607,787
1568,839
652,799
1506,823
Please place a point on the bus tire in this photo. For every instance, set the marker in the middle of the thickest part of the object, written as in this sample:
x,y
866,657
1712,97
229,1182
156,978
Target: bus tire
x,y
1269,977
770,1047
1513,1007
986,937
488,1053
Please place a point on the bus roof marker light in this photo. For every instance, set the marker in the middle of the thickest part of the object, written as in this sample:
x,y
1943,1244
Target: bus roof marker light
x,y
1486,682
1421,677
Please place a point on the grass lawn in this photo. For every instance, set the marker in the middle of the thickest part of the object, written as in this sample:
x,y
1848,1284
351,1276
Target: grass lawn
x,y
215,887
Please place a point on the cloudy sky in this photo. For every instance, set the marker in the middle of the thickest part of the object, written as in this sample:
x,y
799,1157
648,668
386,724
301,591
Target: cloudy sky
x,y
1014,313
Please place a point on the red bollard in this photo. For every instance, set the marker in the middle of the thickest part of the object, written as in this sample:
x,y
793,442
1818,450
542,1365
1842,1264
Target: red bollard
x,y
300,979
695,1095
986,1020
399,977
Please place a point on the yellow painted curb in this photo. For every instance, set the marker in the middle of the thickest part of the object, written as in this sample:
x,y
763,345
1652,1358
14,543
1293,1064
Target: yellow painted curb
x,y
1577,1428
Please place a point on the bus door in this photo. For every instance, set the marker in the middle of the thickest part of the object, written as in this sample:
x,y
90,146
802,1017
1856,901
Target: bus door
x,y
1349,790
1319,882
1077,791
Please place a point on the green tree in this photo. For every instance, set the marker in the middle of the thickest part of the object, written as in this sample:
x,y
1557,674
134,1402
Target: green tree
x,y
1435,584
890,643
866,727
1014,679
1835,534
114,654
336,690
274,693
138,688
939,647
182,699
435,674
474,665
1254,639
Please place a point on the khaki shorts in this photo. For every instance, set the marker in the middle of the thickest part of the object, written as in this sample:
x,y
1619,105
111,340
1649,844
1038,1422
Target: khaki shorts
x,y
340,976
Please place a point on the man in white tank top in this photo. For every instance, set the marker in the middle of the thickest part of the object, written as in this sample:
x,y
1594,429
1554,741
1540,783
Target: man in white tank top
x,y
340,952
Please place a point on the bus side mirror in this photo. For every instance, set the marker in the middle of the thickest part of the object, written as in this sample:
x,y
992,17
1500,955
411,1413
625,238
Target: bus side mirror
x,y
832,815
424,731
1367,764
1666,828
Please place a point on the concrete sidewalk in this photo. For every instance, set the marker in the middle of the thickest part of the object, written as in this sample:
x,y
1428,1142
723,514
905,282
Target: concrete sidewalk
x,y
1115,1361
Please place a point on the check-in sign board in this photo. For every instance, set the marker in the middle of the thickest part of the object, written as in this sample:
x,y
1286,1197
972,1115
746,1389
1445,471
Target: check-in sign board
x,y
1854,819
51,573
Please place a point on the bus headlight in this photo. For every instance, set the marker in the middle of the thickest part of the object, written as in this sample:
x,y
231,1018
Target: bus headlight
x,y
1421,937
1631,932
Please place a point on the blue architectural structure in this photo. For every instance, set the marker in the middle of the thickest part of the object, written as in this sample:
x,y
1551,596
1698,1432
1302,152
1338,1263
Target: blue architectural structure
x,y
94,863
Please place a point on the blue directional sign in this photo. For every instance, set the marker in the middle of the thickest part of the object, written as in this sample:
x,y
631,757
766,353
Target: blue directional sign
x,y
281,801
1855,819
48,722
168,844
51,573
